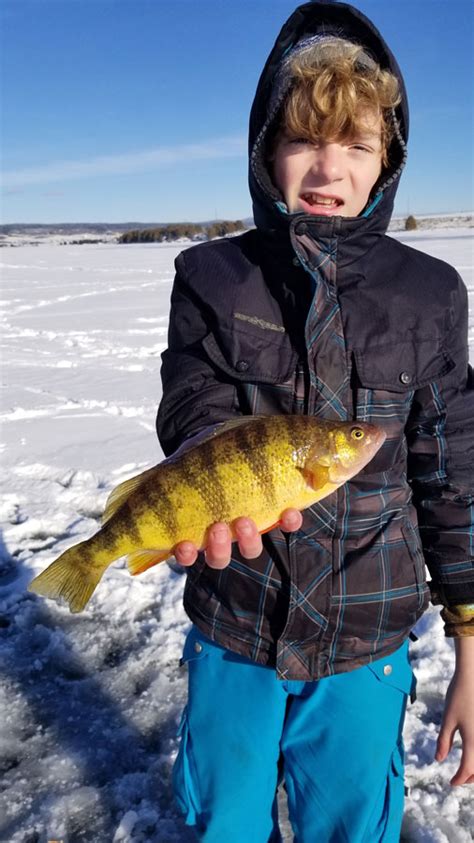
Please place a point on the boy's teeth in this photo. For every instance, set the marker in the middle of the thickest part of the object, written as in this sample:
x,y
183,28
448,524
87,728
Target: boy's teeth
x,y
314,199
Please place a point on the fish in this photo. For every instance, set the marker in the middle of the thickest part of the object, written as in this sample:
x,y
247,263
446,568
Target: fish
x,y
254,466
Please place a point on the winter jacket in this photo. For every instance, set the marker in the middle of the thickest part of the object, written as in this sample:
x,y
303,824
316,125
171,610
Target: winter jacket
x,y
330,317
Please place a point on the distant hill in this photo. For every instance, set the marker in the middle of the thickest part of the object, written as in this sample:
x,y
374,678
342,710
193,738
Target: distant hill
x,y
178,231
72,228
18,234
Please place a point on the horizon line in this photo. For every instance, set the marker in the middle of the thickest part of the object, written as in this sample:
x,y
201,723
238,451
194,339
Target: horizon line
x,y
217,219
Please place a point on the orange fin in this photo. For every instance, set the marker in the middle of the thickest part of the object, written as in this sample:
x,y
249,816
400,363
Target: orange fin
x,y
316,475
141,560
273,527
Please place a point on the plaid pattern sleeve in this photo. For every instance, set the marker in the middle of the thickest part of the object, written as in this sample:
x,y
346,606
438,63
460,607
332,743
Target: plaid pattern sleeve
x,y
440,436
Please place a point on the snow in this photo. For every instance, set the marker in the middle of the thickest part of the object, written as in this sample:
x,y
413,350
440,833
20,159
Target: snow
x,y
90,703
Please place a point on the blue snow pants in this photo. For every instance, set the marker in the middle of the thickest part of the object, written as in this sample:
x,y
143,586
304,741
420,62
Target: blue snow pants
x,y
336,743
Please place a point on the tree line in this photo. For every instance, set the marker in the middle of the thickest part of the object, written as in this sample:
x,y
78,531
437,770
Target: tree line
x,y
174,231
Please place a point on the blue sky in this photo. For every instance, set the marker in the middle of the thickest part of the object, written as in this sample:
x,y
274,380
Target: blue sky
x,y
137,110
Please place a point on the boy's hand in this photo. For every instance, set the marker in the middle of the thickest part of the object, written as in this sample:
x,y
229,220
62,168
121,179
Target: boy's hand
x,y
459,713
218,550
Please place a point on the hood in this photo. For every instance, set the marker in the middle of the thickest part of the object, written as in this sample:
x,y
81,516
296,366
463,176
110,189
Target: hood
x,y
322,17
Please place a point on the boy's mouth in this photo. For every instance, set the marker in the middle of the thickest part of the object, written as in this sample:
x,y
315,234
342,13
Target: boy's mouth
x,y
318,203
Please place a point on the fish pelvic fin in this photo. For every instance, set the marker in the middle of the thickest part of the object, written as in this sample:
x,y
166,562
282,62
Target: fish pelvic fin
x,y
271,527
141,560
66,578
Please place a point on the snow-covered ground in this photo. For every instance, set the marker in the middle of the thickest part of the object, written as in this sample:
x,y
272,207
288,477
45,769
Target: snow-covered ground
x,y
90,703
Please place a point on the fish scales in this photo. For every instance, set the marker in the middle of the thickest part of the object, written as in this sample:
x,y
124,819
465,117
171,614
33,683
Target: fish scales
x,y
205,463
253,466
193,498
156,508
253,444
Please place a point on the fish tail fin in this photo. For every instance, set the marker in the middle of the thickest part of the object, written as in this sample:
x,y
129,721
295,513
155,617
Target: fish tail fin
x,y
141,560
67,578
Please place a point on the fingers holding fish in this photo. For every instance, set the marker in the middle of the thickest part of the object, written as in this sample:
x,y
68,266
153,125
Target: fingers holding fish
x,y
186,553
248,537
217,552
218,549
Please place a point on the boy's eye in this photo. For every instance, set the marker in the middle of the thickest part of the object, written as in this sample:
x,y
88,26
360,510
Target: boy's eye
x,y
299,140
361,147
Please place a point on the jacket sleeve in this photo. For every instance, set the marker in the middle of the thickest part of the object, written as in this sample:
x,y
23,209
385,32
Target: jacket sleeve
x,y
440,438
196,395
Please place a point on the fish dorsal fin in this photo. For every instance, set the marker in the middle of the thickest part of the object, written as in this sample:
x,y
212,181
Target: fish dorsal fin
x,y
207,434
122,492
231,424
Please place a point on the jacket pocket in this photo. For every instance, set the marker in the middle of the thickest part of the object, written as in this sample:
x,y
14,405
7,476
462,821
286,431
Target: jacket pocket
x,y
383,383
402,366
250,357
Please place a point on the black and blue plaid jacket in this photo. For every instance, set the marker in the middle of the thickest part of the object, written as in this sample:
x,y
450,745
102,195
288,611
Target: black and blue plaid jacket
x,y
329,316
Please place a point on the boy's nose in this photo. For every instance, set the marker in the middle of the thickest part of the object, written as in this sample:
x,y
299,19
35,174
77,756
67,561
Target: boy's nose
x,y
329,161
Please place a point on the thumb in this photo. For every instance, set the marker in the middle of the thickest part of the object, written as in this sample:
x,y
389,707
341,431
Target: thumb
x,y
445,741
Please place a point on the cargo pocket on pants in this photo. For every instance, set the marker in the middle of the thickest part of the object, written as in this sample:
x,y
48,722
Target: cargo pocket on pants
x,y
395,795
184,775
386,821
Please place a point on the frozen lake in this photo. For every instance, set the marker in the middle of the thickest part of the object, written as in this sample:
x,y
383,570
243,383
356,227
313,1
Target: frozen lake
x,y
90,703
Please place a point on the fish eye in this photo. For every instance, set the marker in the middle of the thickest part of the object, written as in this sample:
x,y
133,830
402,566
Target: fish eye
x,y
357,433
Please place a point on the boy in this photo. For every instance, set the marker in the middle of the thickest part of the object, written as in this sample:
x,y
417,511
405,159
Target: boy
x,y
298,654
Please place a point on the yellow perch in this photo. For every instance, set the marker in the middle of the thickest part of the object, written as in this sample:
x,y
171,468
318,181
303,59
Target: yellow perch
x,y
255,466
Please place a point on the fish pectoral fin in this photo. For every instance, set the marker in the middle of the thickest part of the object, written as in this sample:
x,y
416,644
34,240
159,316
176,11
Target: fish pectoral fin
x,y
316,475
141,560
122,492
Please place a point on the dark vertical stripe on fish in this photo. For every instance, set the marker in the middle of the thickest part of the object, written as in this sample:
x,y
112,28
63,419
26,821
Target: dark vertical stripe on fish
x,y
156,496
251,442
126,524
292,425
206,461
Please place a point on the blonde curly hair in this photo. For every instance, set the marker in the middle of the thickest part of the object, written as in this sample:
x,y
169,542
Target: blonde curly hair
x,y
335,87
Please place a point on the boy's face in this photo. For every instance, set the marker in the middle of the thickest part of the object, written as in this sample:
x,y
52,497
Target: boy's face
x,y
329,178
